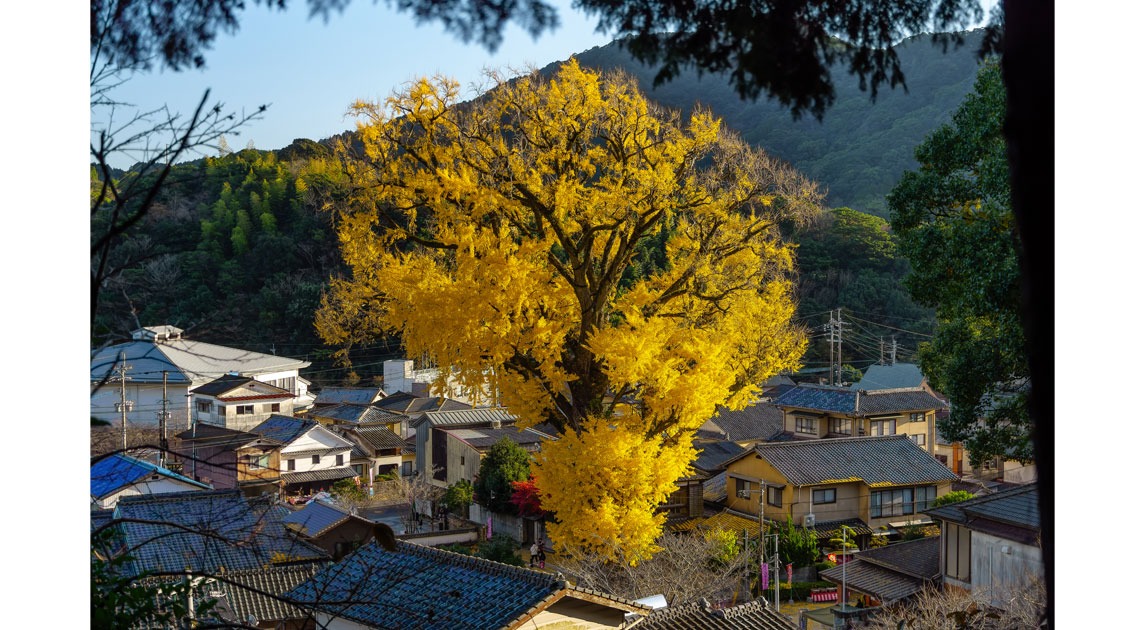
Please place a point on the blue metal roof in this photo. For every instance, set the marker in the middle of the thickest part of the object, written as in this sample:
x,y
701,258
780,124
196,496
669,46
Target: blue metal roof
x,y
418,588
118,470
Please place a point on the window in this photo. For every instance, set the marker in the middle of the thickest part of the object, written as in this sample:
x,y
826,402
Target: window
x,y
743,489
204,406
244,410
407,469
258,461
902,501
290,464
806,425
338,460
316,459
841,425
882,427
826,495
462,460
919,438
918,417
957,552
775,496
222,411
274,407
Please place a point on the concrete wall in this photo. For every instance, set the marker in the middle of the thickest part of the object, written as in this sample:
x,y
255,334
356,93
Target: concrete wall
x,y
998,565
508,524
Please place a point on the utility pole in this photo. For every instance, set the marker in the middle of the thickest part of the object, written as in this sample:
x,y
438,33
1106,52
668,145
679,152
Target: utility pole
x,y
835,341
894,348
882,361
831,347
163,417
123,395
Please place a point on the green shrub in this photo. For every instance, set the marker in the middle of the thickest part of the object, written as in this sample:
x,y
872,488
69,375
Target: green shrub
x,y
501,548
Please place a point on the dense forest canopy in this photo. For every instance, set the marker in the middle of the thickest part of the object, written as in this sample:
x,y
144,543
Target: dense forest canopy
x,y
238,250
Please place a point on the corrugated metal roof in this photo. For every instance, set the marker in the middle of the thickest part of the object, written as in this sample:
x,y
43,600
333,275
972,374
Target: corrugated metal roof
x,y
482,438
380,437
465,417
700,615
892,460
119,470
196,361
357,414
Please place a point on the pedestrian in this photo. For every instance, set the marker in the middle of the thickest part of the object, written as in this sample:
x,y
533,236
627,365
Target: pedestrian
x,y
533,555
541,553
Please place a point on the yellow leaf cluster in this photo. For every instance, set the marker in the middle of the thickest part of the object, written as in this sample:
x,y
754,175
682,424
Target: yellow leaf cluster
x,y
494,235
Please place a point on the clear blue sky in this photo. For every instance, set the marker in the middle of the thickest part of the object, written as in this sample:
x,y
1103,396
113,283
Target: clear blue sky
x,y
309,72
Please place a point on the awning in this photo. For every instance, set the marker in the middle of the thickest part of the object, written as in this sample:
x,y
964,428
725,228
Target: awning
x,y
326,474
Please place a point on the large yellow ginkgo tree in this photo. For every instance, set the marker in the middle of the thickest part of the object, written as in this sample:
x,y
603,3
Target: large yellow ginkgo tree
x,y
498,237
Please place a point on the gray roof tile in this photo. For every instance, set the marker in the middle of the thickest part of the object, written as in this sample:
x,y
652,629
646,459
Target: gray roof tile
x,y
894,460
755,422
700,615
856,402
893,572
464,417
1014,506
249,599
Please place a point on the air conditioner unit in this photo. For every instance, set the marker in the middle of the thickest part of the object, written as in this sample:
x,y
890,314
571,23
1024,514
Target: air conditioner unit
x,y
743,494
809,520
130,404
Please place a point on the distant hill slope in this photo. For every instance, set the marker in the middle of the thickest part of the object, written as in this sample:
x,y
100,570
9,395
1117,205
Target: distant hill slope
x,y
860,149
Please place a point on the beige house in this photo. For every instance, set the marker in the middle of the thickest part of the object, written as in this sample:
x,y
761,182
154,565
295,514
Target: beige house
x,y
818,412
239,402
880,481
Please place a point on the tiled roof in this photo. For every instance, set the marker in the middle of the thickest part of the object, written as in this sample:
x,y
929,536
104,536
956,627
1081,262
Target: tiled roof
x,y
855,402
249,599
714,454
207,530
380,437
893,572
700,615
316,517
895,376
464,417
877,461
354,395
283,429
482,439
1015,506
100,517
418,587
325,474
222,385
411,405
357,414
118,470
754,422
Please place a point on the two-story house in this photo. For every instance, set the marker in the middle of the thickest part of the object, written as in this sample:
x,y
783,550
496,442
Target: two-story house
x,y
310,456
158,364
817,412
239,402
465,447
865,482
431,441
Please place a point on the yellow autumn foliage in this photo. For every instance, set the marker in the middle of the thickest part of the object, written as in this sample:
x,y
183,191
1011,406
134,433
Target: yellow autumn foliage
x,y
495,236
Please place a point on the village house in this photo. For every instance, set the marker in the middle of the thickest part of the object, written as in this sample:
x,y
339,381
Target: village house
x,y
159,365
465,447
431,441
331,395
384,451
420,587
239,402
330,527
991,544
865,483
816,412
310,457
889,574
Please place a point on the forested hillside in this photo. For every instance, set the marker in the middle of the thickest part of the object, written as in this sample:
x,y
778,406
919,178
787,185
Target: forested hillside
x,y
239,248
860,149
